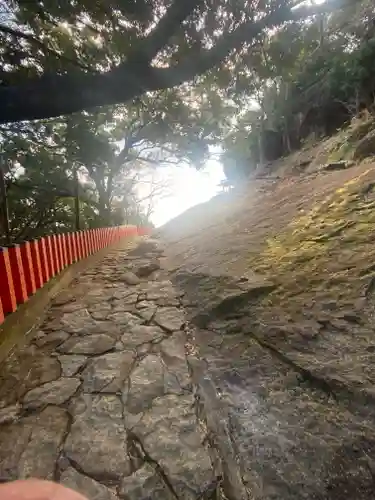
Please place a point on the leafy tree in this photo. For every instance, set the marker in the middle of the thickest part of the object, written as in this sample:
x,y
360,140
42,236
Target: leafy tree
x,y
305,78
61,57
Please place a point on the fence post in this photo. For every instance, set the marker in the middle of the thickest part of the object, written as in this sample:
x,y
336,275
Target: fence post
x,y
16,266
37,266
7,295
60,251
91,242
96,246
85,243
55,253
69,248
28,269
64,249
44,261
80,245
75,247
50,256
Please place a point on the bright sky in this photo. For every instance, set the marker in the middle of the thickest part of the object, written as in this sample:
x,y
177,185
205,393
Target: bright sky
x,y
188,187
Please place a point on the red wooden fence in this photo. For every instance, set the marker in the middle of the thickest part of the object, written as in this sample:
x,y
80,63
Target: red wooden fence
x,y
26,267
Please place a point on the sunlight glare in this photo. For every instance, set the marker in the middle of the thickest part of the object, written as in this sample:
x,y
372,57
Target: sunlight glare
x,y
189,187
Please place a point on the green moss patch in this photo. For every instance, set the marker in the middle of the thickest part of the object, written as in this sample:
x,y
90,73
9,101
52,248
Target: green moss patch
x,y
326,252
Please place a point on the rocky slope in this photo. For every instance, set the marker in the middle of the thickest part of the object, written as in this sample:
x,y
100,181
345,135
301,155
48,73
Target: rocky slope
x,y
279,283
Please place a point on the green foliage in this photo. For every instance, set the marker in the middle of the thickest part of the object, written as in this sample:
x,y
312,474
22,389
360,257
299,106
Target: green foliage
x,y
305,78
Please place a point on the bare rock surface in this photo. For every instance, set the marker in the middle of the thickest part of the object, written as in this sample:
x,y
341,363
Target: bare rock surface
x,y
296,408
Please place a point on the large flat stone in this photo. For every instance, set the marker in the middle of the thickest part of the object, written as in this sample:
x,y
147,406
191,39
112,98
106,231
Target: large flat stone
x,y
173,354
125,319
179,452
146,384
55,393
125,294
141,334
145,269
52,339
97,439
13,439
130,278
161,290
71,363
43,448
24,371
77,322
91,344
170,318
100,311
171,437
92,489
145,484
147,313
30,447
107,372
173,347
147,246
122,308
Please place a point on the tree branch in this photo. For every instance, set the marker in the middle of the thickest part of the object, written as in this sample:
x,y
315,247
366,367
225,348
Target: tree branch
x,y
165,29
54,95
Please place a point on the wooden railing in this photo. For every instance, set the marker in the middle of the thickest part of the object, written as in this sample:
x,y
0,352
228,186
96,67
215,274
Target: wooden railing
x,y
27,267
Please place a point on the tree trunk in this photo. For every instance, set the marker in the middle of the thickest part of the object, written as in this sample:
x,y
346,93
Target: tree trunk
x,y
76,200
4,205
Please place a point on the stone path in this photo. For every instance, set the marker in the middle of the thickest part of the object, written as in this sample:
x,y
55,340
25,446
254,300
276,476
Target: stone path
x,y
102,399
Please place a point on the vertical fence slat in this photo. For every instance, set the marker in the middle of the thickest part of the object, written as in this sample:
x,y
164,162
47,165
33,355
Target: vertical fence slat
x,y
92,245
7,294
81,245
55,254
75,247
60,251
89,237
64,250
16,265
44,261
37,266
28,268
95,233
50,256
69,251
85,247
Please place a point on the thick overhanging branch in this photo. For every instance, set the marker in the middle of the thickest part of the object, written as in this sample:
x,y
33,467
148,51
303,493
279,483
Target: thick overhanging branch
x,y
165,29
53,95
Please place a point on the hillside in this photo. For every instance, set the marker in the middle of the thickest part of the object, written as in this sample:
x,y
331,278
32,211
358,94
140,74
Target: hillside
x,y
279,281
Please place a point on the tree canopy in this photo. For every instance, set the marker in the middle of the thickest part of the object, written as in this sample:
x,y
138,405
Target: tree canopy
x,y
306,79
63,56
